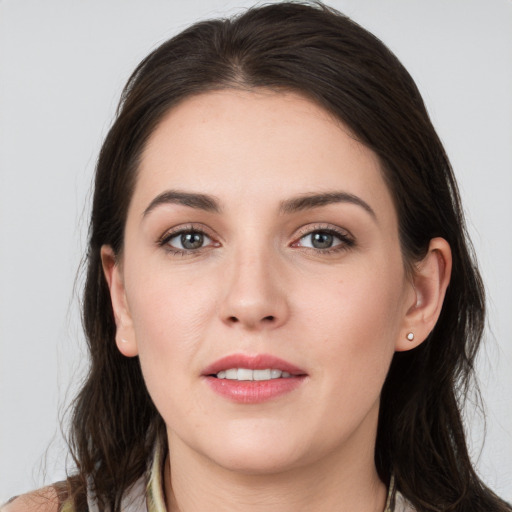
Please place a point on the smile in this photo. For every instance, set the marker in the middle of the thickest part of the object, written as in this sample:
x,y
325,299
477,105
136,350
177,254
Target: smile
x,y
253,379
248,374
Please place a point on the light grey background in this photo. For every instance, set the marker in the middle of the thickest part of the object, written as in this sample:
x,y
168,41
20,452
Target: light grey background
x,y
62,66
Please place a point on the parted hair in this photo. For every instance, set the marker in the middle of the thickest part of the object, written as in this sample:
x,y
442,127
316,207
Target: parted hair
x,y
313,50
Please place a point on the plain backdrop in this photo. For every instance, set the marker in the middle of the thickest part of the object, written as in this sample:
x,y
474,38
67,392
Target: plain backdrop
x,y
62,66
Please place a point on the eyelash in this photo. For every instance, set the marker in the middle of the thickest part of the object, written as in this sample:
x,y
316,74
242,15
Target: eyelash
x,y
168,236
346,240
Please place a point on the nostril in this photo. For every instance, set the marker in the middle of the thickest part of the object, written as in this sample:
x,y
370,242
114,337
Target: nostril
x,y
269,319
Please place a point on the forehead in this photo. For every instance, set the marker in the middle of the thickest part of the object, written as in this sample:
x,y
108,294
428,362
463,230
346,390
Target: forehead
x,y
248,145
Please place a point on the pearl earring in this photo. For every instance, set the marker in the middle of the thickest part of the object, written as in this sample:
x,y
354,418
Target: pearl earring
x,y
410,336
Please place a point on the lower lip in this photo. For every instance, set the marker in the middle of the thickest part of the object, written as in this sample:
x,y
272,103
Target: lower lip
x,y
254,391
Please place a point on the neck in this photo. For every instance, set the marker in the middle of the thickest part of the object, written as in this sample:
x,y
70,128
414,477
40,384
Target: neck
x,y
342,481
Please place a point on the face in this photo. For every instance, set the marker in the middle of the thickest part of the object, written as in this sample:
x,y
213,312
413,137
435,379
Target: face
x,y
261,243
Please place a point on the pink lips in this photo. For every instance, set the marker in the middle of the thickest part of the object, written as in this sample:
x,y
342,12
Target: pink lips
x,y
250,391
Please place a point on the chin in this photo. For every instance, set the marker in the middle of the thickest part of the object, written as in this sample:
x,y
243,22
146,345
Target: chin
x,y
260,453
258,462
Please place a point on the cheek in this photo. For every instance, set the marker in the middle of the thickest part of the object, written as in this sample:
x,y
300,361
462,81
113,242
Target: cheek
x,y
166,305
170,315
356,321
357,301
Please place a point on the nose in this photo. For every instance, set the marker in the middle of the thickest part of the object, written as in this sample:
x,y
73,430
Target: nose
x,y
254,292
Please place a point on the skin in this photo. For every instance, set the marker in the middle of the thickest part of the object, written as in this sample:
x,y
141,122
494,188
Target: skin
x,y
258,285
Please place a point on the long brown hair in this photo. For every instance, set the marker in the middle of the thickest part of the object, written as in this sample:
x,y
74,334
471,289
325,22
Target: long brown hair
x,y
318,52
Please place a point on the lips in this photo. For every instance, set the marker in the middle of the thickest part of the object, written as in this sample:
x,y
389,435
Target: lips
x,y
252,379
255,362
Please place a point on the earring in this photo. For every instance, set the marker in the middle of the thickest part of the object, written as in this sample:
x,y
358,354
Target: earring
x,y
410,336
123,340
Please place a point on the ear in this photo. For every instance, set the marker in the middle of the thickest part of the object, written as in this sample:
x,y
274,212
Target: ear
x,y
125,336
430,280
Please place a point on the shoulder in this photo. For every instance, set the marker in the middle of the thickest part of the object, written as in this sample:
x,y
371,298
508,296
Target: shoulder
x,y
42,500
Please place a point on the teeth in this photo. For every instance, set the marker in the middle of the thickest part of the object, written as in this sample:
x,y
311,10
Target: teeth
x,y
244,374
232,374
260,374
275,374
247,374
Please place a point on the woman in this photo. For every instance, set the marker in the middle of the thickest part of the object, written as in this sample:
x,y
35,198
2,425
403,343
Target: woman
x,y
281,305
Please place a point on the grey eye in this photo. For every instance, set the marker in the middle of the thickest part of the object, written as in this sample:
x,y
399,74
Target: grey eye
x,y
320,240
189,240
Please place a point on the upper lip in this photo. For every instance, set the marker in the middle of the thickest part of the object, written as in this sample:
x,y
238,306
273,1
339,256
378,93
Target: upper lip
x,y
252,362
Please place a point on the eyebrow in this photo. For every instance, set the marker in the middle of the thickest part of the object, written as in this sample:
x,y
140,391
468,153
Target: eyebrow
x,y
191,199
310,201
211,204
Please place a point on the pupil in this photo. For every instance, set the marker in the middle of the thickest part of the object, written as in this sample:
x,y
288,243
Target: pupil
x,y
192,240
322,240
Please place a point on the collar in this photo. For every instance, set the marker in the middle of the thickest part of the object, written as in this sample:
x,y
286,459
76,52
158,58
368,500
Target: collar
x,y
155,490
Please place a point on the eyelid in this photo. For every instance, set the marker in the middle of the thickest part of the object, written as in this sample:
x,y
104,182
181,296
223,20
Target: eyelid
x,y
347,239
185,228
311,228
